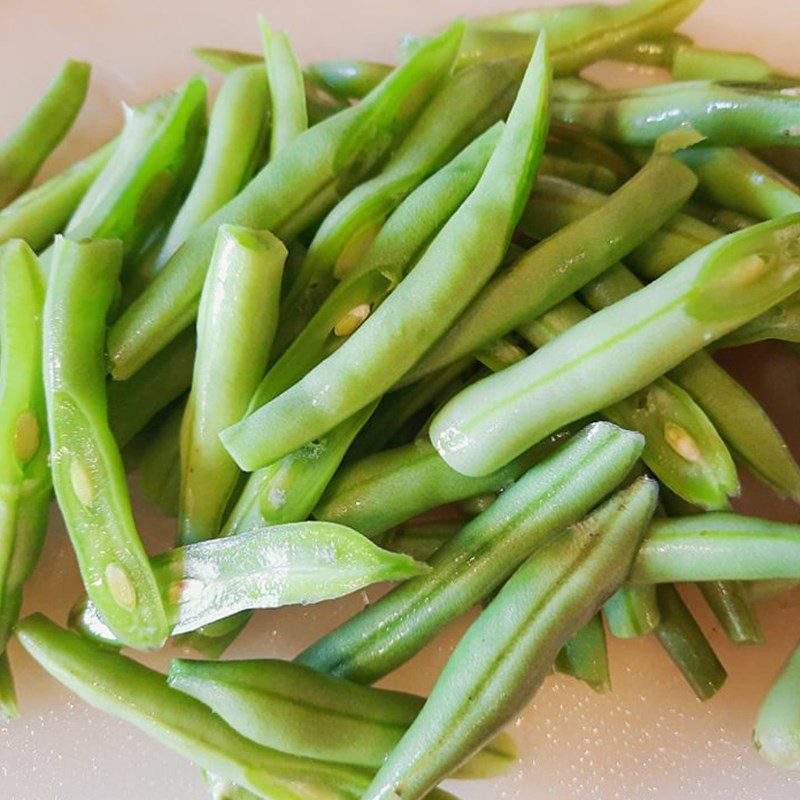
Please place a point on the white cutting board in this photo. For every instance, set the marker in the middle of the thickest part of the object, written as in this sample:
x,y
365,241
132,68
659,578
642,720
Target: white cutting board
x,y
650,738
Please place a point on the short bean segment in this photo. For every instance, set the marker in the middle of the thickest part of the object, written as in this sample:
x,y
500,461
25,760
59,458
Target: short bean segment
x,y
88,473
656,51
585,656
396,248
618,350
551,495
45,125
777,730
25,487
690,62
781,322
8,696
565,261
286,89
131,691
297,710
289,193
267,567
507,653
682,447
457,263
40,213
632,611
733,114
236,324
468,103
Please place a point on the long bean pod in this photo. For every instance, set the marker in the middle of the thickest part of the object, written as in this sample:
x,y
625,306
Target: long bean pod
x,y
551,495
88,474
457,263
508,652
289,193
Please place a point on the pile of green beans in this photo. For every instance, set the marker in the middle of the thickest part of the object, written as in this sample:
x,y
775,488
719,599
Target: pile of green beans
x,y
446,324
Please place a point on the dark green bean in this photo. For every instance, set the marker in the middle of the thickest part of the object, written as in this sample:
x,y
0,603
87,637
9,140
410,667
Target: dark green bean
x,y
585,656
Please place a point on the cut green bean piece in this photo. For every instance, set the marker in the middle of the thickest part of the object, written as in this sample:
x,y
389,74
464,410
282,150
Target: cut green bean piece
x,y
654,52
585,656
159,468
507,653
121,686
777,730
8,697
585,173
236,133
554,493
40,213
632,611
781,322
236,324
45,125
290,192
421,540
88,473
693,63
732,608
295,709
687,646
619,349
455,266
267,567
348,79
564,262
225,60
732,114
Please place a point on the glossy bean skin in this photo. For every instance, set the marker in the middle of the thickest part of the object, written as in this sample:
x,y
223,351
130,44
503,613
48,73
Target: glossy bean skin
x,y
288,194
565,261
236,324
730,114
457,263
45,125
777,729
348,79
506,654
711,293
553,494
88,474
297,710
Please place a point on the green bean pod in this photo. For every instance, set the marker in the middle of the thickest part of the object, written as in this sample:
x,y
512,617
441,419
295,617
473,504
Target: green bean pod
x,y
585,656
457,263
45,125
658,51
420,540
267,567
88,474
508,652
9,709
732,114
236,133
466,105
580,171
564,262
781,322
236,324
226,61
131,691
632,611
159,468
731,605
693,63
618,350
288,194
554,493
777,729
347,79
295,709
40,213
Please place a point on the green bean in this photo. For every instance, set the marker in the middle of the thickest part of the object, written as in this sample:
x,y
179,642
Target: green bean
x,y
224,60
692,63
391,255
554,493
680,635
732,608
781,322
585,656
682,447
585,173
347,79
574,142
295,709
718,546
632,611
159,468
88,473
122,687
617,351
654,52
564,262
236,132
420,540
266,567
289,193
580,33
40,213
236,324
507,653
45,125
286,89
382,490
457,263
134,402
777,730
466,105
8,697
723,113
